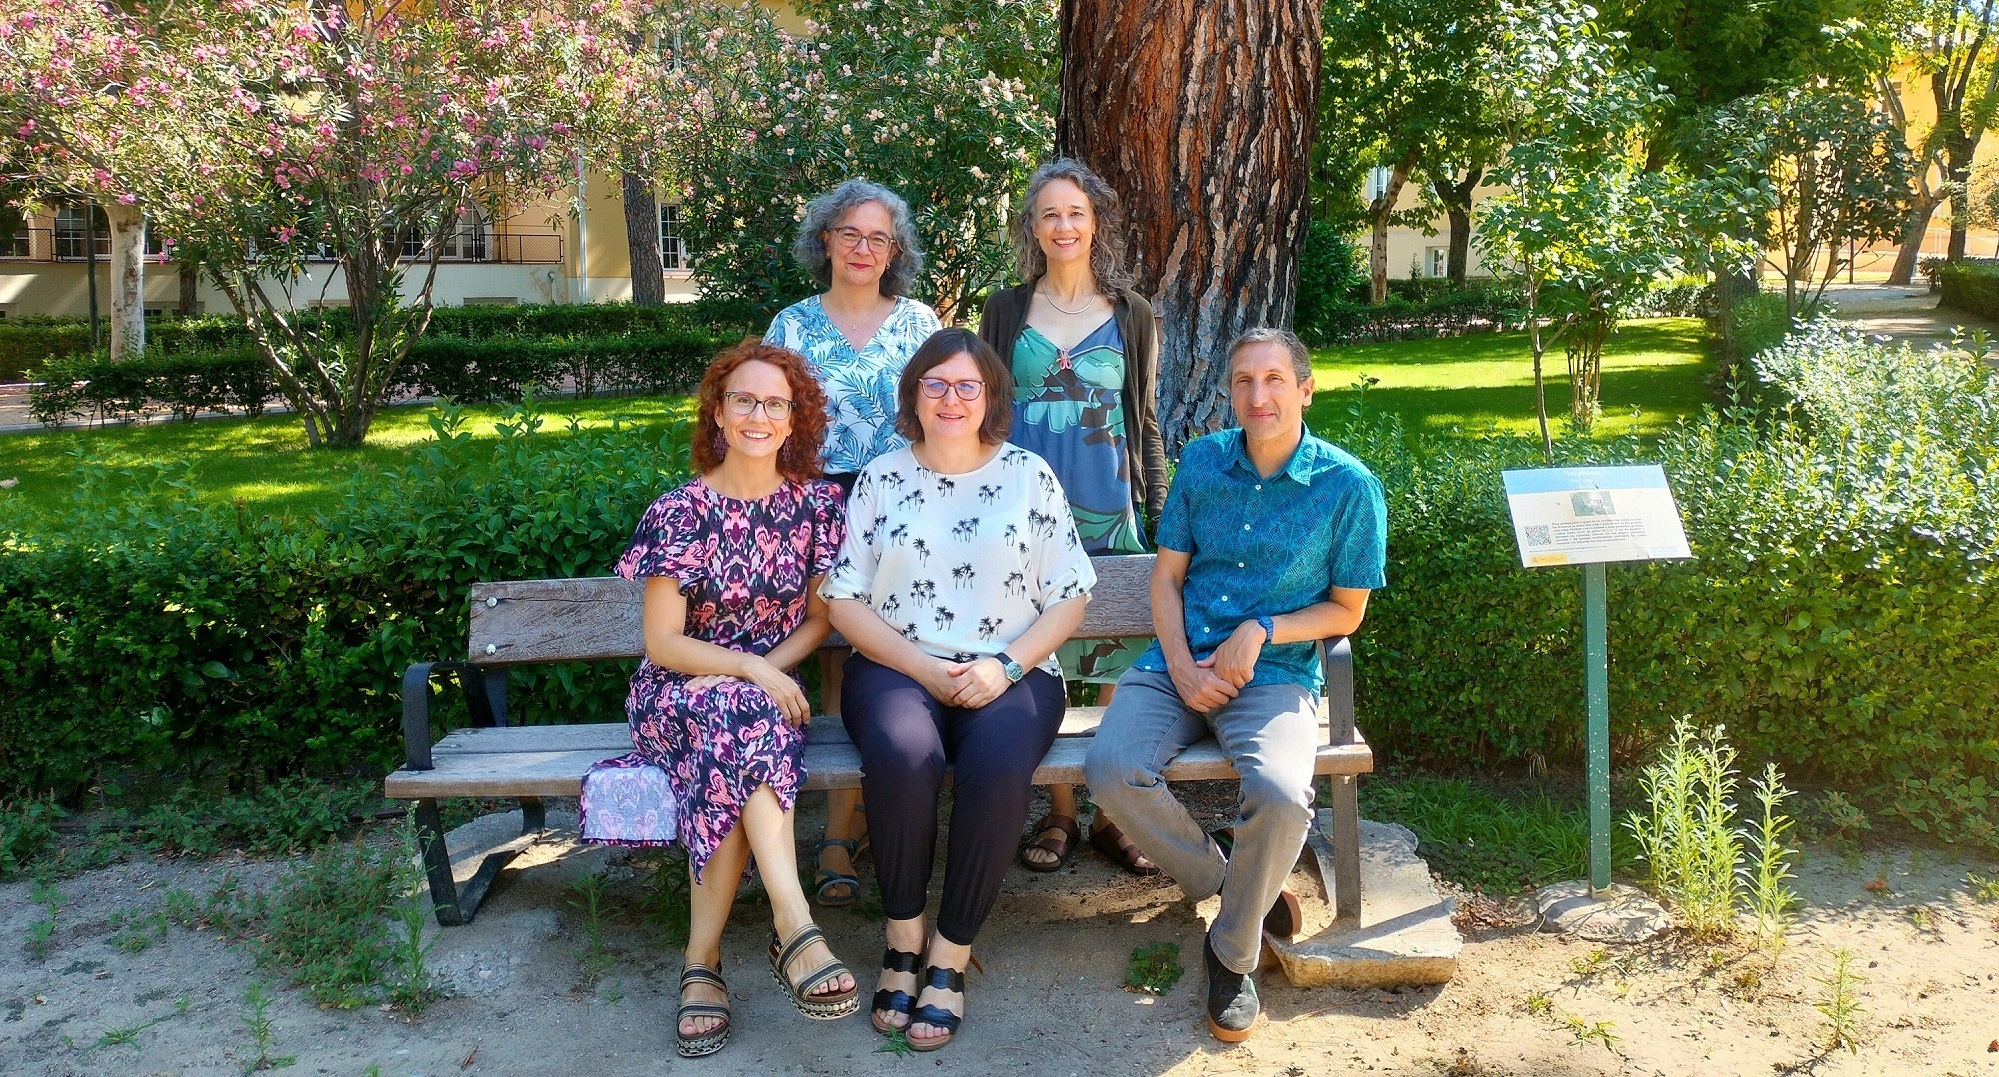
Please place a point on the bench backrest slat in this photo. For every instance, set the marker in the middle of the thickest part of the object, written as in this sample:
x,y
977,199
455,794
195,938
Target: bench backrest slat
x,y
599,617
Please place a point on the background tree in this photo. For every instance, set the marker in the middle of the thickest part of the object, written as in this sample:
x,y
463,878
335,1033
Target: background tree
x,y
1200,113
1585,225
1948,43
947,102
258,137
1840,173
1402,91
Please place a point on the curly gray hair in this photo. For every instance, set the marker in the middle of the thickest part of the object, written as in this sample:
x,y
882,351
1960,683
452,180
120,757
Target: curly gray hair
x,y
1107,260
824,213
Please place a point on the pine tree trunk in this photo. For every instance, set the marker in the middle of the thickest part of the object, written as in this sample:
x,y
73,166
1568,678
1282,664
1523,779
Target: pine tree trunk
x,y
1201,113
642,237
1918,229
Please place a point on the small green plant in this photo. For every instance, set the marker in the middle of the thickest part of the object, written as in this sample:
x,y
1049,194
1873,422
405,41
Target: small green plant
x,y
129,1036
1154,968
663,900
1984,888
1919,918
41,933
1582,1032
596,957
1688,835
1839,1003
1846,819
1770,900
410,983
257,1021
27,831
1591,963
896,1043
1540,1004
134,931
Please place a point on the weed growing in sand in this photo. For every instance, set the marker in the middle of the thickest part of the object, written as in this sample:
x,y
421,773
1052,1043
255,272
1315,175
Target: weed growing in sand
x,y
135,931
1540,1004
664,900
42,933
595,955
1984,889
257,1021
1582,1032
1770,900
896,1043
1839,1002
1154,968
129,1036
1688,838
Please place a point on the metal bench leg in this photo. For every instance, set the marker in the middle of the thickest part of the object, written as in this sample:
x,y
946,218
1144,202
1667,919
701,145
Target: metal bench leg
x,y
1346,849
455,907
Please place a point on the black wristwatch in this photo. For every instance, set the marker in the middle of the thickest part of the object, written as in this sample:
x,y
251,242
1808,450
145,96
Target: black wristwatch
x,y
1014,670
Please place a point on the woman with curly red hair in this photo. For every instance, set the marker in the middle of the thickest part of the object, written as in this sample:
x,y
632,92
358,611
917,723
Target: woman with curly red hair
x,y
732,563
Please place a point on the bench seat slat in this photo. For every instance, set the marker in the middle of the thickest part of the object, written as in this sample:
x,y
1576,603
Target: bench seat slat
x,y
830,764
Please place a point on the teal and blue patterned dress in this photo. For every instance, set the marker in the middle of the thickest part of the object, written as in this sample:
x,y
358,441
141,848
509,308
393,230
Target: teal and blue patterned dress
x,y
1068,409
860,386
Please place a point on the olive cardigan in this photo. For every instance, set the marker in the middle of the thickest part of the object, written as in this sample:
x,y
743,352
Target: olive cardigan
x,y
1005,318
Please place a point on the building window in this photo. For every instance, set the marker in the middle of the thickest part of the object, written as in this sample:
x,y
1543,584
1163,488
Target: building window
x,y
15,239
1377,182
72,232
463,241
672,248
1439,260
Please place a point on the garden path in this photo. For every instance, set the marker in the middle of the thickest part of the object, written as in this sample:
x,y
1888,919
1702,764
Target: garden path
x,y
1051,1000
1908,314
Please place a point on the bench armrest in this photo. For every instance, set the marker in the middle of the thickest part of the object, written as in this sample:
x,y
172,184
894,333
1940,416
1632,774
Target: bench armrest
x,y
485,692
1336,658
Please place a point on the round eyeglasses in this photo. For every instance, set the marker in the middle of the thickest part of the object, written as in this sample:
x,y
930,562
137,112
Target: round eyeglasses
x,y
935,388
776,408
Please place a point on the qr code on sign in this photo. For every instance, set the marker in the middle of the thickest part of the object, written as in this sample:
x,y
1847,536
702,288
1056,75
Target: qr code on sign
x,y
1537,535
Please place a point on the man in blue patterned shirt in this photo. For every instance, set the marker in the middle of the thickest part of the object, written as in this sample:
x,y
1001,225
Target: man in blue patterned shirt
x,y
1270,541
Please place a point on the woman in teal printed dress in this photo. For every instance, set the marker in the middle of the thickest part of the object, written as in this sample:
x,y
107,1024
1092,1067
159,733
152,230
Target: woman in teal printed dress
x,y
1084,354
859,242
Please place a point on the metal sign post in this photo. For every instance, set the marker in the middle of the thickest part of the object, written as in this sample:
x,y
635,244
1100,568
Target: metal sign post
x,y
1589,516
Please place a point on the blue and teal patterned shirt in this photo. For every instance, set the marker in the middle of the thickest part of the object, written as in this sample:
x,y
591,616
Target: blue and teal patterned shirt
x,y
860,387
1265,547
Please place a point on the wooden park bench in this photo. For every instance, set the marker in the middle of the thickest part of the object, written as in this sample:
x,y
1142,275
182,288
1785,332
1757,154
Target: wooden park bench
x,y
598,619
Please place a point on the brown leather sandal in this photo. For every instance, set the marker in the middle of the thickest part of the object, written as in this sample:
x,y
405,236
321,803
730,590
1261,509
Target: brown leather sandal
x,y
1063,848
1106,838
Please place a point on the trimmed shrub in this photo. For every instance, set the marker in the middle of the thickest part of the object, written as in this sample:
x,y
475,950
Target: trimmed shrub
x,y
1482,306
1838,617
1970,286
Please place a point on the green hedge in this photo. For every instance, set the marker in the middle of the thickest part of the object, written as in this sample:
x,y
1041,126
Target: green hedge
x,y
1839,616
1972,287
466,369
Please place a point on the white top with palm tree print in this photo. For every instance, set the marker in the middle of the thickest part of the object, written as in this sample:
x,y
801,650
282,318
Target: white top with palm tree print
x,y
961,565
860,387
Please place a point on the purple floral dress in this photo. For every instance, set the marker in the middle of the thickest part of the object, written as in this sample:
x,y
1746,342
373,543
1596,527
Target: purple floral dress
x,y
743,567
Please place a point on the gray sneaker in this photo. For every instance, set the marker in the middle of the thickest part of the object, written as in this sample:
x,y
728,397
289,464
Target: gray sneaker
x,y
1233,1005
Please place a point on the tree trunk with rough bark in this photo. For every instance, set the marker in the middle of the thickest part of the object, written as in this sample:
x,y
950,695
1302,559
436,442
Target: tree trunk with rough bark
x,y
642,236
1455,194
1378,213
1912,239
1201,114
128,279
188,304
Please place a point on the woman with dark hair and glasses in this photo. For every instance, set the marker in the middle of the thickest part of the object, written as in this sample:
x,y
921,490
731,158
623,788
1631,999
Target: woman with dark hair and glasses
x,y
732,561
960,576
1085,360
858,242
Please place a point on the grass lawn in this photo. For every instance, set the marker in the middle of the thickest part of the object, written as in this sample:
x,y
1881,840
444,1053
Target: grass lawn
x,y
1475,384
1485,382
265,461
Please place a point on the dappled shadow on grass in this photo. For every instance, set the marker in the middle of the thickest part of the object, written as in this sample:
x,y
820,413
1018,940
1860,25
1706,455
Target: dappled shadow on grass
x,y
265,461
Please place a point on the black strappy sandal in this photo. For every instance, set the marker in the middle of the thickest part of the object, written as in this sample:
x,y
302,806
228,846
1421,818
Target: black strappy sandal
x,y
936,1016
817,1007
711,1041
888,1001
835,889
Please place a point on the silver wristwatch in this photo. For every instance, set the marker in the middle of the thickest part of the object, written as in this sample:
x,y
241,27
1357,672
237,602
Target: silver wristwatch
x,y
1014,670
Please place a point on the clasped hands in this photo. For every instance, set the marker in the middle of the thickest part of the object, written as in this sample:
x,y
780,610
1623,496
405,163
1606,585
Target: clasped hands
x,y
1209,683
782,688
964,684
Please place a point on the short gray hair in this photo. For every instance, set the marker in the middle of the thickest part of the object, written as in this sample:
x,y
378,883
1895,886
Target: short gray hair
x,y
824,213
1301,356
1107,255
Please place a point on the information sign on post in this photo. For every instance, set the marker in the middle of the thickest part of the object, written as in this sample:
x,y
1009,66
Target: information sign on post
x,y
1590,516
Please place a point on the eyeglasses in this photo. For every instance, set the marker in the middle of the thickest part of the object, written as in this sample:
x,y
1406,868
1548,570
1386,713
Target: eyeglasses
x,y
776,408
853,238
935,388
